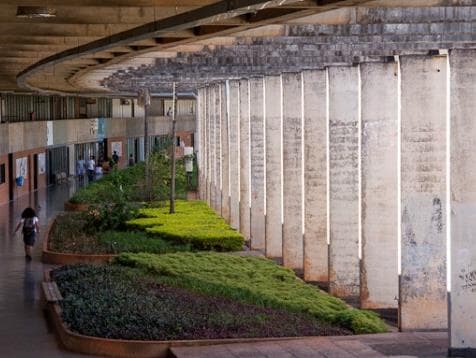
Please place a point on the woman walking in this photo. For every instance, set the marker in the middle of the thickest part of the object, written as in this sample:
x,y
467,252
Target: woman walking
x,y
30,228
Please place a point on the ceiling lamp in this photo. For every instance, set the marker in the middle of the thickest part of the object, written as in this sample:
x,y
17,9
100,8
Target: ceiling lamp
x,y
35,12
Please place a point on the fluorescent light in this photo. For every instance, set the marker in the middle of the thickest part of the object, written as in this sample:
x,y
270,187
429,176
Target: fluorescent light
x,y
35,12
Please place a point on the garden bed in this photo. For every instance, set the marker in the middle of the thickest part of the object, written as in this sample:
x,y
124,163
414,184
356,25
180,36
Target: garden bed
x,y
68,241
194,223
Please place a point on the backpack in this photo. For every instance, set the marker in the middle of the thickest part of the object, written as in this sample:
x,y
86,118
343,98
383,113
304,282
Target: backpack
x,y
28,227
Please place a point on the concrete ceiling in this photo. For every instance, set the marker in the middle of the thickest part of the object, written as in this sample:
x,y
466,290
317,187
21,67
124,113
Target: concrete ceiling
x,y
90,40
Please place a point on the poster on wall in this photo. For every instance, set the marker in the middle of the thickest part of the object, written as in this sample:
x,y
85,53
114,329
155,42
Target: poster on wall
x,y
116,147
22,167
49,133
41,163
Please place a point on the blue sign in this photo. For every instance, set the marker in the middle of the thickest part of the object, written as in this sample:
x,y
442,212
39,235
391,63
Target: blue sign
x,y
101,129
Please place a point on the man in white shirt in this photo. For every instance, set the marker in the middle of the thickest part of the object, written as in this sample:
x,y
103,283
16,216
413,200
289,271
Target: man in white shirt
x,y
91,166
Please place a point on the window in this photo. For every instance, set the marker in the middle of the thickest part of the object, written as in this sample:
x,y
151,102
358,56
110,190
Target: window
x,y
2,174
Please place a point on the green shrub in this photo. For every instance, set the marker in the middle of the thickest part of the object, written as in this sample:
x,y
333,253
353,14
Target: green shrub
x,y
253,280
193,223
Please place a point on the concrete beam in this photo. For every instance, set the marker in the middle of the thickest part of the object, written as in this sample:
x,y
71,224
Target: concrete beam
x,y
344,277
245,159
379,274
462,303
273,134
315,176
257,153
234,130
423,193
292,171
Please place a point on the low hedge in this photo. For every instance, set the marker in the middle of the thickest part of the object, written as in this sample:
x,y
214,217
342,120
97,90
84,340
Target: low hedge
x,y
252,280
193,223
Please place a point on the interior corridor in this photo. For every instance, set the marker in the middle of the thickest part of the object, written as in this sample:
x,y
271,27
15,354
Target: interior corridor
x,y
24,331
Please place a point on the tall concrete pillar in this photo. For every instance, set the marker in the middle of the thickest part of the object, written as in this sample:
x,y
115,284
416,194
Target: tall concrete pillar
x,y
379,274
234,129
273,130
208,145
225,174
462,303
244,159
201,145
292,171
423,193
344,275
315,176
218,178
257,153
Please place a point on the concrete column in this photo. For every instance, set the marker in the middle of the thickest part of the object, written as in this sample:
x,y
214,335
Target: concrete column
x,y
379,274
292,171
423,193
315,176
211,147
257,153
244,159
234,129
201,144
462,304
218,177
344,118
225,182
273,130
208,151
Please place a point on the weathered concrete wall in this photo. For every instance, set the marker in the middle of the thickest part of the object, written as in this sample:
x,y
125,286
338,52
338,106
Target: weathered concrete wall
x,y
292,171
217,178
423,193
344,278
257,153
234,129
225,182
379,275
273,130
315,176
463,200
244,159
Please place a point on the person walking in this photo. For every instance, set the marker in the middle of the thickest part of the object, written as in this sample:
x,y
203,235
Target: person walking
x,y
30,227
80,170
91,166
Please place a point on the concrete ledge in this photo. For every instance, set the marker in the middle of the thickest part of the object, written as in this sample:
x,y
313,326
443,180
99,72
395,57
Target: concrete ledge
x,y
129,348
61,258
69,206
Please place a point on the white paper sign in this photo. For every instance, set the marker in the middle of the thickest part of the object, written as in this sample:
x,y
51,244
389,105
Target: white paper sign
x,y
41,163
22,167
49,133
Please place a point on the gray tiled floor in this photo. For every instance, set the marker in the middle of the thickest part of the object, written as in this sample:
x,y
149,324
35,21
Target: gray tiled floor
x,y
23,328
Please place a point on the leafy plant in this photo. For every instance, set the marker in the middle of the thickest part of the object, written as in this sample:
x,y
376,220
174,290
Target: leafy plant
x,y
193,223
252,280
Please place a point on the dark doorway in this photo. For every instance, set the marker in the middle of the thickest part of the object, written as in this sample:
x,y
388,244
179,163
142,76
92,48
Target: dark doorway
x,y
11,182
35,171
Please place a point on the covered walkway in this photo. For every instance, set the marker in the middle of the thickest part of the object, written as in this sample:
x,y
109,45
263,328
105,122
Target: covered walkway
x,y
23,330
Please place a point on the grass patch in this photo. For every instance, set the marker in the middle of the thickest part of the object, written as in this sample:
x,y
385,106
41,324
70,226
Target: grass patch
x,y
69,235
193,223
252,280
124,303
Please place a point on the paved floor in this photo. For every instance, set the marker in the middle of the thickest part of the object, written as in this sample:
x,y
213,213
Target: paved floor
x,y
415,344
23,328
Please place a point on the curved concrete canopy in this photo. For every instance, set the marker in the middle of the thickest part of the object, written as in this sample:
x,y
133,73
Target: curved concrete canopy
x,y
306,47
70,71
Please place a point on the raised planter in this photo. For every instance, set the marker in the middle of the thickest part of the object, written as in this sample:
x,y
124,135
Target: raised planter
x,y
129,348
61,258
69,206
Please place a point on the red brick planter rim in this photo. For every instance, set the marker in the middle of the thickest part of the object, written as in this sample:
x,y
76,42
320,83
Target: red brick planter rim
x,y
132,348
69,206
63,258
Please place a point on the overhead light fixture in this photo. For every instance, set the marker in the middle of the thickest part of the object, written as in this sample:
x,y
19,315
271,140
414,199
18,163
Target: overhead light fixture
x,y
35,12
